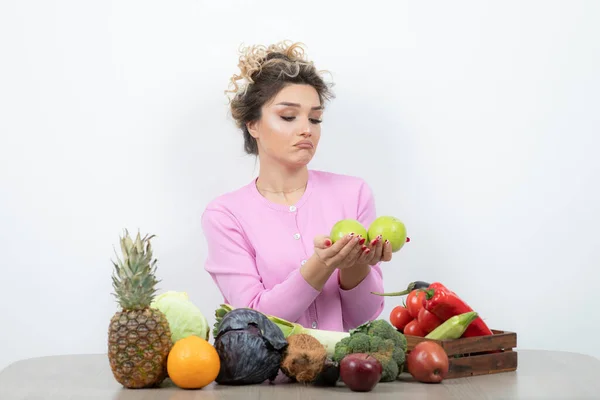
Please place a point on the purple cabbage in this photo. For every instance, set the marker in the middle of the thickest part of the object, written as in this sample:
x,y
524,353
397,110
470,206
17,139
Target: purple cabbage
x,y
250,347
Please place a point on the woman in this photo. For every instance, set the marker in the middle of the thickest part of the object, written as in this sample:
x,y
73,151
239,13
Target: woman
x,y
267,241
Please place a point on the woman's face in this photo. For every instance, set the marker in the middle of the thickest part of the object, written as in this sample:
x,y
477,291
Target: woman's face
x,y
288,130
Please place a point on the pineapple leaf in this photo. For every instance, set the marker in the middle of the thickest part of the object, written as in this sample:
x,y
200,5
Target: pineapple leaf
x,y
134,279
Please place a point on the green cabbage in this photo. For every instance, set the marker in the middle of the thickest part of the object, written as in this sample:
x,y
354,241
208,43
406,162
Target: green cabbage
x,y
185,319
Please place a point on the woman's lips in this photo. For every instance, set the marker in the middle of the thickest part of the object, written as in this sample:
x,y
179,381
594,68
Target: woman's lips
x,y
305,144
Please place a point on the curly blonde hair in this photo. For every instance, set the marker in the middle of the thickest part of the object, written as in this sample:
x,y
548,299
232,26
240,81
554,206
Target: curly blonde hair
x,y
264,71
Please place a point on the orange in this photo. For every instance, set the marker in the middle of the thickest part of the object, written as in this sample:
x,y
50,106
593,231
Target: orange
x,y
193,363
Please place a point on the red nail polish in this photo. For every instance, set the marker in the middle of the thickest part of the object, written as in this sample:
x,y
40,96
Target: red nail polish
x,y
362,240
327,242
407,239
367,251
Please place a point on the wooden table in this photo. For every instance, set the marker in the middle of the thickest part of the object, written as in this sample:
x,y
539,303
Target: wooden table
x,y
540,375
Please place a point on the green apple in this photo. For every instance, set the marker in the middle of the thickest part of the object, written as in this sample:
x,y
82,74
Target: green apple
x,y
345,227
390,228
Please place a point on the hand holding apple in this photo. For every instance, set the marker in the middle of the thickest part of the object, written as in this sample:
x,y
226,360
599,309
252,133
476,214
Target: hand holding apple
x,y
374,252
345,227
391,229
381,250
342,254
385,236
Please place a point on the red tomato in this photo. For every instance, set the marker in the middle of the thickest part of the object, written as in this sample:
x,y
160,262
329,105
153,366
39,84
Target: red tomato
x,y
413,329
414,302
428,321
399,317
428,362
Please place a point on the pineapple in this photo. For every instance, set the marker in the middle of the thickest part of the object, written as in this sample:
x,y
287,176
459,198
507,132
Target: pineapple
x,y
139,337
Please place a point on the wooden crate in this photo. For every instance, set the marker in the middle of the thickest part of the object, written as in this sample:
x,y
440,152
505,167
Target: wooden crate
x,y
479,355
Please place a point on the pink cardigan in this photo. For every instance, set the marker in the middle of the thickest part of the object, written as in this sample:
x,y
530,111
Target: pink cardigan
x,y
256,248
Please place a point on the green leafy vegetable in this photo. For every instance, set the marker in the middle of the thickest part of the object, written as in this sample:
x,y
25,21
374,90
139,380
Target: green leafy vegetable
x,y
185,319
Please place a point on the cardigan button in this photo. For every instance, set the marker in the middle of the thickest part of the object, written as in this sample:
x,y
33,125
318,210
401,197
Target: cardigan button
x,y
292,208
314,324
297,236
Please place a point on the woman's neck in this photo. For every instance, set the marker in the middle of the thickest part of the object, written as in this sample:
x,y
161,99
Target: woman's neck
x,y
281,180
280,184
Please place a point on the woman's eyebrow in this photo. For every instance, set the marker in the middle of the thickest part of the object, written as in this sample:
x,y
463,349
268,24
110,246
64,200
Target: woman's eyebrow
x,y
285,103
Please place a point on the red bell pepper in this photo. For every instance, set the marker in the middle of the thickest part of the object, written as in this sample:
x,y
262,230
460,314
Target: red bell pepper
x,y
445,304
438,285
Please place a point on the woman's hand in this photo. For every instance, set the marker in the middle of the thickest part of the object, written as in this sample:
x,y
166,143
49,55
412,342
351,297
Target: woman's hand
x,y
378,251
344,253
354,273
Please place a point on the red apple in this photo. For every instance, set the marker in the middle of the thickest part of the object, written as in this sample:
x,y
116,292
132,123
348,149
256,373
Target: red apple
x,y
360,372
428,362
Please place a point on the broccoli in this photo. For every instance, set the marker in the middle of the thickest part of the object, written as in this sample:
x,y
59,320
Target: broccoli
x,y
380,339
383,329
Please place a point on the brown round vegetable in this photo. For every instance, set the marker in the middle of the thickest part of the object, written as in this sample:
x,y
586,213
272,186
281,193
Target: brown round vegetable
x,y
304,358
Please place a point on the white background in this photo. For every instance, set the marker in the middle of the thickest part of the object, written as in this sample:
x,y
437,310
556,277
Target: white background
x,y
477,123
